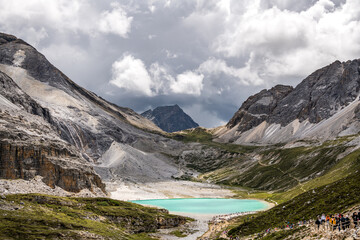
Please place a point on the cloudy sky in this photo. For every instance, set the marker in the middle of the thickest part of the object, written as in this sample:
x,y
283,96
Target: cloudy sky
x,y
207,56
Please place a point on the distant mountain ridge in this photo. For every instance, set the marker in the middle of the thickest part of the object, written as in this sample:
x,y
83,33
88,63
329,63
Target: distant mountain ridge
x,y
170,118
323,106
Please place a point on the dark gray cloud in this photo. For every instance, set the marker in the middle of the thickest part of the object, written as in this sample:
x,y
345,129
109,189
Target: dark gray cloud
x,y
208,56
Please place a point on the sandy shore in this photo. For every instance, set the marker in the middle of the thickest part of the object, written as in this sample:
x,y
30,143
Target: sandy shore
x,y
168,189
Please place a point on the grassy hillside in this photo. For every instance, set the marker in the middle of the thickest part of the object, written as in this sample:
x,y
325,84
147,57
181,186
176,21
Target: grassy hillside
x,y
288,171
201,135
35,216
332,198
273,168
343,168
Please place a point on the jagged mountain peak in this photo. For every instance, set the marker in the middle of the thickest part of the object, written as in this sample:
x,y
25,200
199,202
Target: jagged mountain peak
x,y
322,106
170,118
7,38
258,107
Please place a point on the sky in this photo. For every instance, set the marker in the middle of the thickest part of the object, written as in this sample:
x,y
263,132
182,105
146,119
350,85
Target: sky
x,y
207,56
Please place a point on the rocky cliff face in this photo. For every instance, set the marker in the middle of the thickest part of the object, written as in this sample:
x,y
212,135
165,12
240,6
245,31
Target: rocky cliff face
x,y
320,95
258,107
58,167
170,118
30,145
324,105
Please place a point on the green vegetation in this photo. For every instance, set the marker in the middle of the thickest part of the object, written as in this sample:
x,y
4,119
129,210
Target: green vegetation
x,y
281,234
201,135
35,216
343,168
178,233
286,171
332,198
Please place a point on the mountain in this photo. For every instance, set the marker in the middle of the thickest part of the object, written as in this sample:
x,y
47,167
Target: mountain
x,y
52,127
78,142
30,146
323,106
170,118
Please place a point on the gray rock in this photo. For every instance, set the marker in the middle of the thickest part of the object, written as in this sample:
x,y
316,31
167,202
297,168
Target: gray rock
x,y
170,118
317,97
258,108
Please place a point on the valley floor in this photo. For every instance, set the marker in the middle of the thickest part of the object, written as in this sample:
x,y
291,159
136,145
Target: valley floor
x,y
121,190
124,190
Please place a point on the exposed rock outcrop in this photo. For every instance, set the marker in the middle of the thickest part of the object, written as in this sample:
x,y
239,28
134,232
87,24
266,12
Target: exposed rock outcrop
x,y
30,144
137,225
320,95
58,167
11,91
258,107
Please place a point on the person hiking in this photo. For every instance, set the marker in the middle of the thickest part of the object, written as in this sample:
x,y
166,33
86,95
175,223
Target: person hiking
x,y
323,219
347,221
343,222
337,224
332,222
327,222
318,222
355,218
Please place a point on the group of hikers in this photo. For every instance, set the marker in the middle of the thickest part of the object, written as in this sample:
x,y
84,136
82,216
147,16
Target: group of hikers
x,y
337,221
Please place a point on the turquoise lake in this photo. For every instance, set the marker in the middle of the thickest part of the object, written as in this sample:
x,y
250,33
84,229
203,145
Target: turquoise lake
x,y
206,205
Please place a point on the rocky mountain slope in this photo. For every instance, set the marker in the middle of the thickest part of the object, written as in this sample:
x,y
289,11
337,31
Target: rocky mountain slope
x,y
323,106
170,118
47,118
30,146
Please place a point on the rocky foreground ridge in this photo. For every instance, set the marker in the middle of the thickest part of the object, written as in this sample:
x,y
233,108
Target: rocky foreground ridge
x,y
35,216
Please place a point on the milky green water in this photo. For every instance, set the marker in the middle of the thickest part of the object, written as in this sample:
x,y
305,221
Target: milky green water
x,y
206,205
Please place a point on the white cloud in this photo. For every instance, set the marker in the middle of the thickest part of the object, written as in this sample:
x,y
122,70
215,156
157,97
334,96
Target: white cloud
x,y
169,54
152,8
217,66
33,20
188,83
161,79
276,39
115,21
57,14
130,73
